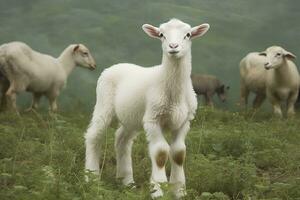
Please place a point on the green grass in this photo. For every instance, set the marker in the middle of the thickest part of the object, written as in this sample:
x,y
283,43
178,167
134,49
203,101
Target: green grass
x,y
229,156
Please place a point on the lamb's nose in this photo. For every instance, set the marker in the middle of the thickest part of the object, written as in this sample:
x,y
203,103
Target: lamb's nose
x,y
267,64
173,45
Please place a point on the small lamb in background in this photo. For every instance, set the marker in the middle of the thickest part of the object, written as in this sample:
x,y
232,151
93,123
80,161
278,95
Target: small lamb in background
x,y
23,69
208,86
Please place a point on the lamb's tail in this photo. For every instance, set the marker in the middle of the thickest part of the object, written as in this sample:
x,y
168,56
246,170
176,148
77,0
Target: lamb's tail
x,y
101,120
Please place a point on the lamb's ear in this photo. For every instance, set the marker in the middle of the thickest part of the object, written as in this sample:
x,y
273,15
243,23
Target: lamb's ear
x,y
200,30
76,48
152,31
289,55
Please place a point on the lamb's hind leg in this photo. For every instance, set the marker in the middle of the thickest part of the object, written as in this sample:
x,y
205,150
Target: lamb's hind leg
x,y
101,120
123,145
159,151
177,157
259,99
4,88
35,102
244,94
11,97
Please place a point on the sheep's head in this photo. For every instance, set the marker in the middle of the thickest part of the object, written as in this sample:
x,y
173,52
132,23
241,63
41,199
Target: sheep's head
x,y
83,57
175,36
222,92
275,57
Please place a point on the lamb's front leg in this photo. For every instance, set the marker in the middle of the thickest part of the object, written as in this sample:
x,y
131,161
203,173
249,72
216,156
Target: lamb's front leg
x,y
159,151
177,157
275,101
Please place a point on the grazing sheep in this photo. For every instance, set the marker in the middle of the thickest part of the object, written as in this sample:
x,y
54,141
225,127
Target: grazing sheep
x,y
208,85
270,74
156,99
40,74
282,80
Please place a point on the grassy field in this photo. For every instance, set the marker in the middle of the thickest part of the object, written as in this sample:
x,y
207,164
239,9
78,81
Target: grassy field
x,y
229,156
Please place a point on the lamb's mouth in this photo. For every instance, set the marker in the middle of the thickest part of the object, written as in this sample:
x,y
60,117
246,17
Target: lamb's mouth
x,y
173,52
91,67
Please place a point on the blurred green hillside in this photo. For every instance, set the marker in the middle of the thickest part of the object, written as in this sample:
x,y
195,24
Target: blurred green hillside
x,y
112,30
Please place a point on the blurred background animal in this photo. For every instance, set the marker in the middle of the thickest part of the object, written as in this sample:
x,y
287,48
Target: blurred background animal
x,y
271,74
208,86
40,74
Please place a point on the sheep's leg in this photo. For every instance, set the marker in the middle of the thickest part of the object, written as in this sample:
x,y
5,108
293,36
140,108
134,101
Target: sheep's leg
x,y
11,97
177,157
5,86
259,99
35,102
244,95
277,109
208,100
275,101
53,105
123,146
291,103
52,100
159,151
101,120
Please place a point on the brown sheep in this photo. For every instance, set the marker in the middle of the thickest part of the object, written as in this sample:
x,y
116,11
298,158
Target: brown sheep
x,y
208,85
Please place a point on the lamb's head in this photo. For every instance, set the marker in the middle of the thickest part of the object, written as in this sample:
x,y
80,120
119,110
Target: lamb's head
x,y
175,36
83,57
222,92
276,56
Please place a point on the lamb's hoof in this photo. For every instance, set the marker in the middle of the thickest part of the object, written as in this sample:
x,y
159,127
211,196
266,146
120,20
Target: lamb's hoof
x,y
180,193
291,115
131,186
156,191
91,175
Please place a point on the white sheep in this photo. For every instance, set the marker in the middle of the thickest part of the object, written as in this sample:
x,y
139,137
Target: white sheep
x,y
282,80
38,73
253,79
157,99
270,74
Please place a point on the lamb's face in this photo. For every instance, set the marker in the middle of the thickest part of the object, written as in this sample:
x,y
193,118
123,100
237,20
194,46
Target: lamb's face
x,y
83,57
175,36
275,57
222,92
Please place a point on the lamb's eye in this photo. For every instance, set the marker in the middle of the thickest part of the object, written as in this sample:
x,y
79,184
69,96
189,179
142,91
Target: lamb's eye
x,y
161,35
188,35
85,53
278,54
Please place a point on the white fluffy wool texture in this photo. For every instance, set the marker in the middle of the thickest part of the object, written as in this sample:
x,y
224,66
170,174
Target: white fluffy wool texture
x,y
154,99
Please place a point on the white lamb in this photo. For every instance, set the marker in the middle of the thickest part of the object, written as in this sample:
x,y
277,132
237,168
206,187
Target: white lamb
x,y
282,80
270,74
41,74
157,99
